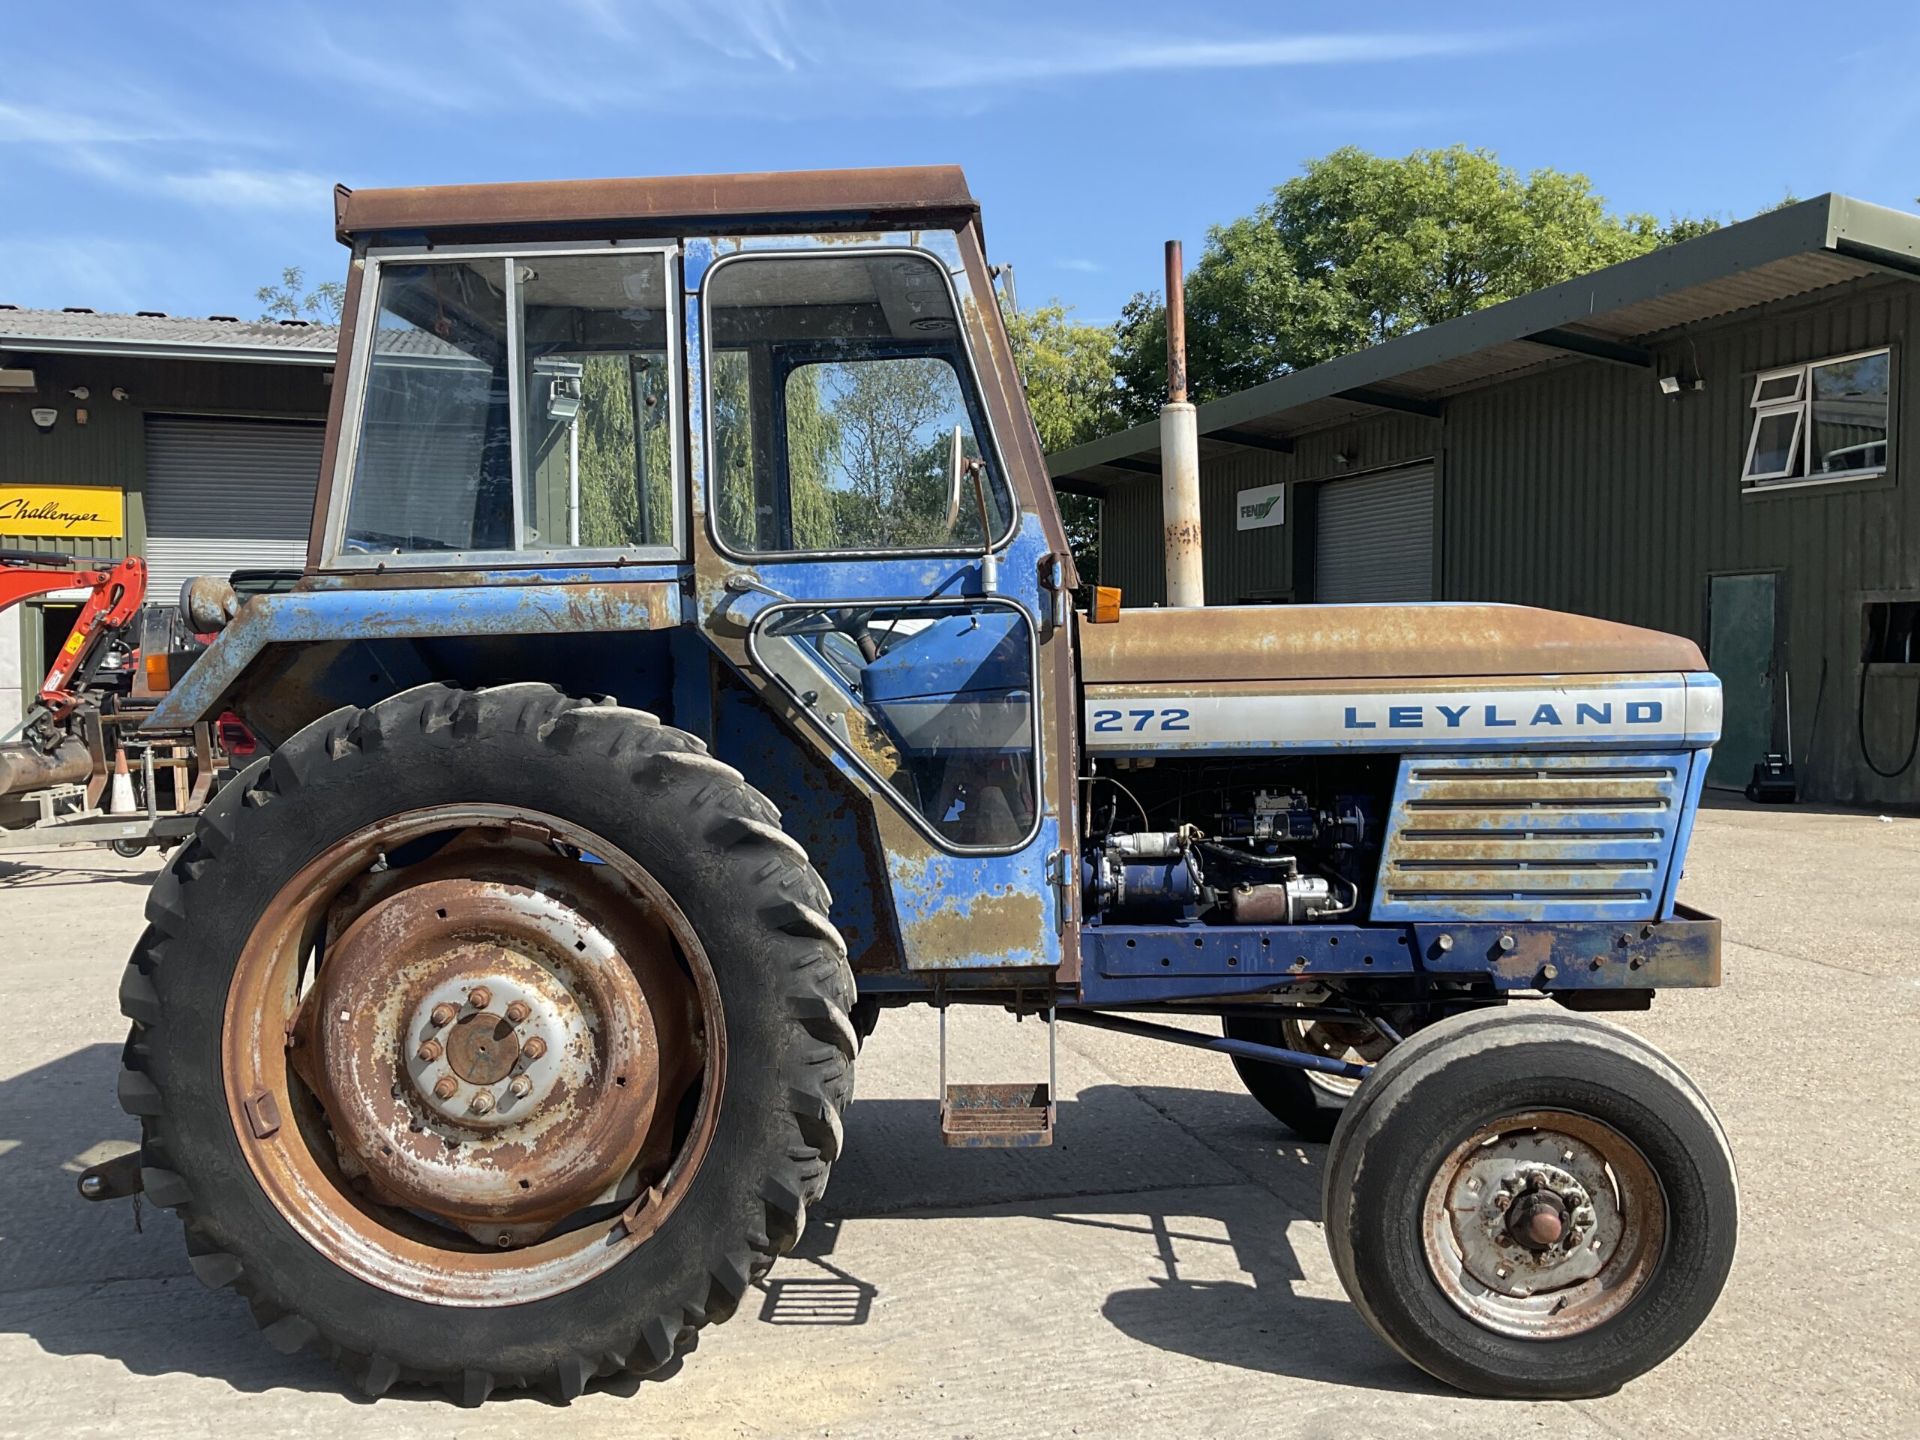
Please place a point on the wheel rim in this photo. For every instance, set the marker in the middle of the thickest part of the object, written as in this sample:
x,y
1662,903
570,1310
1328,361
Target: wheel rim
x,y
1351,1040
1544,1224
472,1055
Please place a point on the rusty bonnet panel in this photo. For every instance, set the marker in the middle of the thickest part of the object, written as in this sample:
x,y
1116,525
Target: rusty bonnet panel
x,y
1370,642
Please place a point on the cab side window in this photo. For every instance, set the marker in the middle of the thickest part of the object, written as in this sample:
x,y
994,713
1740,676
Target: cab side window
x,y
516,404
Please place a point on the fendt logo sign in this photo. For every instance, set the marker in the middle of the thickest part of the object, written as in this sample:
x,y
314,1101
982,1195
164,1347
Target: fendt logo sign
x,y
1260,507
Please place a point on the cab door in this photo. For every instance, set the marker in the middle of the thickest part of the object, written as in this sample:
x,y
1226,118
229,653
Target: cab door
x,y
873,558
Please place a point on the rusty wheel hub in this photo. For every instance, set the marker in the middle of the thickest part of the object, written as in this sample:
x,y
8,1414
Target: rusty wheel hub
x,y
473,1054
486,1053
1544,1225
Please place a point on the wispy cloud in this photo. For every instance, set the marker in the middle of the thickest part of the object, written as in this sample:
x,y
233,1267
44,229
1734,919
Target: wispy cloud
x,y
80,269
1061,57
763,56
249,189
1079,266
38,125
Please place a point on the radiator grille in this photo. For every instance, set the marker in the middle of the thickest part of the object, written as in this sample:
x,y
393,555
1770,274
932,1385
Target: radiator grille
x,y
1530,837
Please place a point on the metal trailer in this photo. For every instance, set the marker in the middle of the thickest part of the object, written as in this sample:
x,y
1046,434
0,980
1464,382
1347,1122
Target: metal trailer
x,y
686,669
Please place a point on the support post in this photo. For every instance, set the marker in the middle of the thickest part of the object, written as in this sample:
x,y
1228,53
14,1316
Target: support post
x,y
1180,454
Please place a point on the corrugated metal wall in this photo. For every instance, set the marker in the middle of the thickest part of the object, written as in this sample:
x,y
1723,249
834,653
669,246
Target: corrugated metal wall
x,y
1244,566
110,449
1583,488
1586,489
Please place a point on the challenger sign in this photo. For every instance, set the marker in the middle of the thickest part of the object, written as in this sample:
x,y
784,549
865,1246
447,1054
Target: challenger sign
x,y
89,511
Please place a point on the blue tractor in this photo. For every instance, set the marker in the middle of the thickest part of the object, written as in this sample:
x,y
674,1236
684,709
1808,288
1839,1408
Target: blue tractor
x,y
686,668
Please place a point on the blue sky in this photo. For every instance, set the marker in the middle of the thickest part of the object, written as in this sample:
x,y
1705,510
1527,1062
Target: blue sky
x,y
174,156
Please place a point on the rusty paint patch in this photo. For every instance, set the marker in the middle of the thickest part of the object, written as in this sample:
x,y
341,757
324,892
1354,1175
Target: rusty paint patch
x,y
1239,644
990,929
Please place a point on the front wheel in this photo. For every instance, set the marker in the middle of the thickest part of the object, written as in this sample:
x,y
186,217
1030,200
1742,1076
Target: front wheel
x,y
488,1039
1307,1102
1531,1205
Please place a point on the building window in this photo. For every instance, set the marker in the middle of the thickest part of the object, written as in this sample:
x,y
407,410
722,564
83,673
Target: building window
x,y
1822,421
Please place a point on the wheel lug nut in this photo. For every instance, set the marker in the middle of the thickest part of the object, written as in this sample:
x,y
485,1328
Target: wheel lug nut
x,y
446,1087
482,1103
430,1051
521,1086
518,1012
534,1048
443,1015
1502,1200
480,997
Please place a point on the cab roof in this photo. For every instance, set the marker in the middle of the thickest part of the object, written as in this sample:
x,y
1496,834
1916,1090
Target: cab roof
x,y
809,200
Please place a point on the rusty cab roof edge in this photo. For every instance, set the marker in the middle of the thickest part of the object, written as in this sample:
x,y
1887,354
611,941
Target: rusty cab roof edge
x,y
799,199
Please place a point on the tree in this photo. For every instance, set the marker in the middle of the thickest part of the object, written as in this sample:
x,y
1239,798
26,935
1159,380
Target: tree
x,y
1360,249
292,300
1067,368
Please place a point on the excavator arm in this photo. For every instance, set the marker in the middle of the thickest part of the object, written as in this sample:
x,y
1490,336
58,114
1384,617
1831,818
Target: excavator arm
x,y
116,595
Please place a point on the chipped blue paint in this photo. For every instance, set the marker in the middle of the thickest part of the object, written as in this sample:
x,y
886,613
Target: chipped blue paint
x,y
1147,964
598,574
1689,808
978,912
1578,835
465,610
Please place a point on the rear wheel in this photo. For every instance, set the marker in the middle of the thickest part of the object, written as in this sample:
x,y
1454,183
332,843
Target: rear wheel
x,y
488,1039
1531,1204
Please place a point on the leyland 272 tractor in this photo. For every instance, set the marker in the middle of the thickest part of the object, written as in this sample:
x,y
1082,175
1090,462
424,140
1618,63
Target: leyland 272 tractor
x,y
687,667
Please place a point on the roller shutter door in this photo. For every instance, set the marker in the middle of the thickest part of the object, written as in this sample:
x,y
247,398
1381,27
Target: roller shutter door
x,y
1373,539
227,494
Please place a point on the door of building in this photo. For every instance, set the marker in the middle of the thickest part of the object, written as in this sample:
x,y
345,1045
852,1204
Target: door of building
x,y
226,494
1373,539
1740,648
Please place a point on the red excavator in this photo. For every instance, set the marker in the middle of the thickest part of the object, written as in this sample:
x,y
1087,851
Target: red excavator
x,y
81,737
49,752
52,775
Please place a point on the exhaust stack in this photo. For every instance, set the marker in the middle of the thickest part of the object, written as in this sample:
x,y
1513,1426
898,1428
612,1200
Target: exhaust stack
x,y
1180,454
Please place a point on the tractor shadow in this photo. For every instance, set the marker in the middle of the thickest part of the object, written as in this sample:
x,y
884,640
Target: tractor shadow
x,y
51,874
1130,1161
110,1280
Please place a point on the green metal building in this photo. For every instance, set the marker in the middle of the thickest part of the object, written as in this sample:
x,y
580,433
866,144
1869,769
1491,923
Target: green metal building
x,y
198,442
1706,440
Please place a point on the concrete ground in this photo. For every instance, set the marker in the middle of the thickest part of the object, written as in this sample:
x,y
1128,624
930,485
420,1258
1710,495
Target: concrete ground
x,y
1160,1270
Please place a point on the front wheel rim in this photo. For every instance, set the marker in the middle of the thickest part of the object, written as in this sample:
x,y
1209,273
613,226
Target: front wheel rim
x,y
1544,1224
509,1078
1355,1042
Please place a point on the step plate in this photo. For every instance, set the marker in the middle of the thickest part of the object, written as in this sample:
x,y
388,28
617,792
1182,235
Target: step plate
x,y
996,1117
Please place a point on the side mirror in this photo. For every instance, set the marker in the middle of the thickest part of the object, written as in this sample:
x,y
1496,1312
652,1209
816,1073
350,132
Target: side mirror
x,y
956,475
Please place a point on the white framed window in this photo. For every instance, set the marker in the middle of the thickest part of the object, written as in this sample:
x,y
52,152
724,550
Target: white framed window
x,y
1822,421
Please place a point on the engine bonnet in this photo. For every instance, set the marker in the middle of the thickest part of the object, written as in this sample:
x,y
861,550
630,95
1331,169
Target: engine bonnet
x,y
1370,643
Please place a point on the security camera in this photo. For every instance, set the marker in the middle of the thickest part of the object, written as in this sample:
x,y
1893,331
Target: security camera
x,y
80,392
44,418
118,393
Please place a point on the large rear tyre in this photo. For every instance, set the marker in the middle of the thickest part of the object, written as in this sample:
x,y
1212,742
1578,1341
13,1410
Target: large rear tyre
x,y
488,1039
1531,1204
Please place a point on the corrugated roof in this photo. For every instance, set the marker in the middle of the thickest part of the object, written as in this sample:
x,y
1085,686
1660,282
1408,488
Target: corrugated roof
x,y
1613,314
68,332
